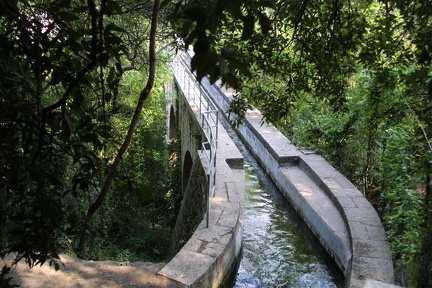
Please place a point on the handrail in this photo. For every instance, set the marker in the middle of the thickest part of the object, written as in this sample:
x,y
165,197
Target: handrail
x,y
207,113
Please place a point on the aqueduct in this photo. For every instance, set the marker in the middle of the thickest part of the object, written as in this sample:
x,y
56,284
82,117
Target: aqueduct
x,y
342,219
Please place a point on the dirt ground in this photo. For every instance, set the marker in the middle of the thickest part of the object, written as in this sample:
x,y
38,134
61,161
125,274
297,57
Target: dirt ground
x,y
89,274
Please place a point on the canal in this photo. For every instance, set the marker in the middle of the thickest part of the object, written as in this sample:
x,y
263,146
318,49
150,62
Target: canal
x,y
278,250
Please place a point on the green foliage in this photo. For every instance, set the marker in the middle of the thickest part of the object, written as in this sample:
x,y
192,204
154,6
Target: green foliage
x,y
421,268
353,82
201,24
403,204
406,166
273,96
237,109
139,212
72,74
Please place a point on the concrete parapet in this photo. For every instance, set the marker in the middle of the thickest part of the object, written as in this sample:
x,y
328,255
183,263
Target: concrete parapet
x,y
210,255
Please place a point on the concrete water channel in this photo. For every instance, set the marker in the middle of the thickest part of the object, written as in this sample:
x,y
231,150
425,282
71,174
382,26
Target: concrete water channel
x,y
278,250
341,219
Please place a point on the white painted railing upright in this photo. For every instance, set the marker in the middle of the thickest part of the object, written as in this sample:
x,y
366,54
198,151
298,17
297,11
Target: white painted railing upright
x,y
207,113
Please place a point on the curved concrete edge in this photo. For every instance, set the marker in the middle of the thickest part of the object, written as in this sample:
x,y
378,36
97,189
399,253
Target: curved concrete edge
x,y
367,253
211,254
329,238
370,249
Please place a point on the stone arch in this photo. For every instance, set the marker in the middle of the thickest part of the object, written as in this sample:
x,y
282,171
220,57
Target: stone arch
x,y
187,169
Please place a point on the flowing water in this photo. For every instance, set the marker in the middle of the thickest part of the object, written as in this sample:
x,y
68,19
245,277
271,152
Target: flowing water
x,y
278,250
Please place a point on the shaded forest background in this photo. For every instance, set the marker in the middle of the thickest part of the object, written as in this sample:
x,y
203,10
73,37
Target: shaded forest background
x,y
83,163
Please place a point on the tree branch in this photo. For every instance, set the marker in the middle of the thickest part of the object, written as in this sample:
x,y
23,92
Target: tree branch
x,y
137,114
75,81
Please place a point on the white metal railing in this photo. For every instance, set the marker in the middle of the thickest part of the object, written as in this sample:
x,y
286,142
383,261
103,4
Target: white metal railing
x,y
207,113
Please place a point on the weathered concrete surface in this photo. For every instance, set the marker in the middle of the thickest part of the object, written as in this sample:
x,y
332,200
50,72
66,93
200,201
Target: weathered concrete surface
x,y
342,219
208,257
377,284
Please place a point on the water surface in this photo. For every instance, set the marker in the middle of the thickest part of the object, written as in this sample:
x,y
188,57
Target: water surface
x,y
278,250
